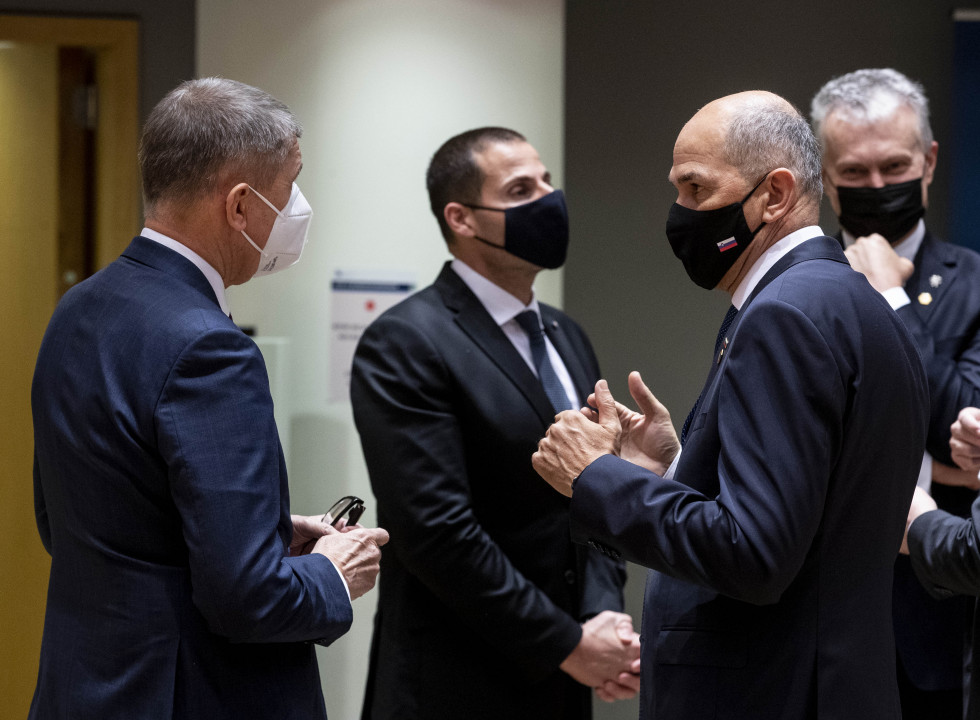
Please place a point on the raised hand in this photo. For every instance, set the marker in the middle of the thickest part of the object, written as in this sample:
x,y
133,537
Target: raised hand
x,y
877,260
965,440
575,440
647,437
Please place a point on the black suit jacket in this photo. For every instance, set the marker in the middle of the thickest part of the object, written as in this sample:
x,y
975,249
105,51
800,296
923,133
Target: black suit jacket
x,y
482,591
774,542
944,319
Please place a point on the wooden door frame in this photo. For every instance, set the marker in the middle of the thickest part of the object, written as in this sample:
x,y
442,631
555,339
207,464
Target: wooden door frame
x,y
117,183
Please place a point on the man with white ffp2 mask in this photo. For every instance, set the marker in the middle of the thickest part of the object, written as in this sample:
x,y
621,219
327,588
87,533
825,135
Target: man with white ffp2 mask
x,y
181,586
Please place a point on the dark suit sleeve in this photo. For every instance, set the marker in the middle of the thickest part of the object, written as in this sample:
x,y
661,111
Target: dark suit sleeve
x,y
603,577
217,435
945,552
40,509
780,403
405,408
954,380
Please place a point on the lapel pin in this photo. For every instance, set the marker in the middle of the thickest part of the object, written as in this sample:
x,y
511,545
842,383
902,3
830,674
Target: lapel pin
x,y
935,281
721,353
925,298
554,324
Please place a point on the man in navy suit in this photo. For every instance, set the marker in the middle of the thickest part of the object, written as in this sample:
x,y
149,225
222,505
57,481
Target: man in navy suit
x,y
879,158
773,533
486,608
180,585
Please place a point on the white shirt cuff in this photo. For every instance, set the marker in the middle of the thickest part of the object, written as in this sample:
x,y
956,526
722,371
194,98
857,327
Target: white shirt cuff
x,y
925,473
896,297
669,475
341,575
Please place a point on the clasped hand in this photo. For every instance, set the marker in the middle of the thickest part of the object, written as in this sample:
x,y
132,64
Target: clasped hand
x,y
576,439
607,657
354,550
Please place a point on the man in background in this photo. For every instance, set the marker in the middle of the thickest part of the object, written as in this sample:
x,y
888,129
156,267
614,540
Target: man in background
x,y
486,608
180,585
879,159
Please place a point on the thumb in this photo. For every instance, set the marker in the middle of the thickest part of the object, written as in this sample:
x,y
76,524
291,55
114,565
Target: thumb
x,y
604,402
645,400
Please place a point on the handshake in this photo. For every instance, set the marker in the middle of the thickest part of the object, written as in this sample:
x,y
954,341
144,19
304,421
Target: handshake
x,y
607,657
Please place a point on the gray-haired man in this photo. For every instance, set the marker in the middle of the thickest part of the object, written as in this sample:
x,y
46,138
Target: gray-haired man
x,y
879,158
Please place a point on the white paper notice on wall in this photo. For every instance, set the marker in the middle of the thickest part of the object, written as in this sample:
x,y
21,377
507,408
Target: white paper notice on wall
x,y
357,298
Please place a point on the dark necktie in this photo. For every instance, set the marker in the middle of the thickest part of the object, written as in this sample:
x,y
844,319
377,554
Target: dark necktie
x,y
539,353
725,324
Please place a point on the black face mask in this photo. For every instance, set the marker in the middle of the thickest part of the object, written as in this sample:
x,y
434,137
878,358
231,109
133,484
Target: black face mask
x,y
891,211
536,231
709,242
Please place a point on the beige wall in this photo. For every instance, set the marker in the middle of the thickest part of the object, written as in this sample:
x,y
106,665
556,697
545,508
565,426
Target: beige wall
x,y
378,85
28,241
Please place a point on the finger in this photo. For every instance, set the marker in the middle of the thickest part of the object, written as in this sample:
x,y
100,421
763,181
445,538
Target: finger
x,y
604,696
590,413
616,690
969,420
606,405
645,400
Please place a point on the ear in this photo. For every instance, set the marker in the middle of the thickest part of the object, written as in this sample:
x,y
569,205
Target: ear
x,y
459,219
235,208
932,154
780,193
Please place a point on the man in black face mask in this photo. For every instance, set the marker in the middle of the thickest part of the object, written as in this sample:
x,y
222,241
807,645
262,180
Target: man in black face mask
x,y
772,533
487,609
879,158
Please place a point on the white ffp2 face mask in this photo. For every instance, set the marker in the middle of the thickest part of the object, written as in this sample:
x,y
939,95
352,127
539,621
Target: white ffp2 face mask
x,y
288,235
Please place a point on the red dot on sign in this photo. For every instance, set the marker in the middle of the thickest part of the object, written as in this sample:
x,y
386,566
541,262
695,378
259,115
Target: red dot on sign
x,y
369,305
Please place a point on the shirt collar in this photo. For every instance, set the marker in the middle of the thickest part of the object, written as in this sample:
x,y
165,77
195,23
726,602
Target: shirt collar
x,y
210,274
501,305
907,249
769,258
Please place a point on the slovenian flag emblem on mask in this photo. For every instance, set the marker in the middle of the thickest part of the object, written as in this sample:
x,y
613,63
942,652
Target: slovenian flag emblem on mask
x,y
727,244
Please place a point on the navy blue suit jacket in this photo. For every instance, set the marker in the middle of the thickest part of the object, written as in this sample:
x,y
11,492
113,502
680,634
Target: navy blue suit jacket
x,y
482,591
774,543
944,319
161,495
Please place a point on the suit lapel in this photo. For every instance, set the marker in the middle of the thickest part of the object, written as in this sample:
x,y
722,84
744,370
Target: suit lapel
x,y
475,321
935,271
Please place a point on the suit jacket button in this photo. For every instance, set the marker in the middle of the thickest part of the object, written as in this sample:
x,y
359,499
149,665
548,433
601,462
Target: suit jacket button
x,y
570,577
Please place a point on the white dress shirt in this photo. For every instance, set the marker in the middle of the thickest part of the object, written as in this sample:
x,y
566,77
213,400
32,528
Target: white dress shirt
x,y
210,274
503,308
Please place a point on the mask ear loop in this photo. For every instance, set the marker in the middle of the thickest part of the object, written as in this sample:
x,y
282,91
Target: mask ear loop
x,y
279,213
742,204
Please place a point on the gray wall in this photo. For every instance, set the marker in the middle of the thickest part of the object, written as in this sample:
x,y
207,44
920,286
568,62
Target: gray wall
x,y
166,41
635,73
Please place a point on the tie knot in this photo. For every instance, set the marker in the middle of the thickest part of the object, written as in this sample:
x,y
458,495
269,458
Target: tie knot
x,y
529,321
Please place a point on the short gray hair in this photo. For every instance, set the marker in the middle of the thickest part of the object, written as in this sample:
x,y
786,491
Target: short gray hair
x,y
764,136
868,95
207,127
